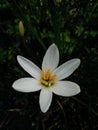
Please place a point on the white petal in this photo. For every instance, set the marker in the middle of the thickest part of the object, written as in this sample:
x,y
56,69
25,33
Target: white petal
x,y
66,69
51,58
45,99
29,67
66,88
26,85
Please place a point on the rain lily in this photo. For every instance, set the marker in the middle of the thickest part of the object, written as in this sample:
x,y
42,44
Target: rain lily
x,y
49,79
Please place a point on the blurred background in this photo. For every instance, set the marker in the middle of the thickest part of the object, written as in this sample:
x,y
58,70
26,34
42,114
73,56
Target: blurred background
x,y
28,28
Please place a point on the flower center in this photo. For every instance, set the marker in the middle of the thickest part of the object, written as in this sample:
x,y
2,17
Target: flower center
x,y
47,79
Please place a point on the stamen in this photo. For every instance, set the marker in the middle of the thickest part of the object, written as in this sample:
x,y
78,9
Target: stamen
x,y
47,75
52,77
44,82
47,79
52,81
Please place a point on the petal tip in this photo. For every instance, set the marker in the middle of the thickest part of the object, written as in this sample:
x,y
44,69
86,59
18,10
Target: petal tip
x,y
14,86
53,45
44,111
18,57
79,61
79,90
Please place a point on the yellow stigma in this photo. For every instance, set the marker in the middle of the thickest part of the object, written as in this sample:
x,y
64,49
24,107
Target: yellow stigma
x,y
47,79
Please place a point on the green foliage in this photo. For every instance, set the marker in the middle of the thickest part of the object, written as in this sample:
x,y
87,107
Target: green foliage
x,y
73,26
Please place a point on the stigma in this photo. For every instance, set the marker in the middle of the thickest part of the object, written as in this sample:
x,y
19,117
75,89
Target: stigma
x,y
47,79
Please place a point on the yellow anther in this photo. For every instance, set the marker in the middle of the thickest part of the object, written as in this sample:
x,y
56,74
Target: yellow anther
x,y
44,82
47,79
52,81
47,75
52,77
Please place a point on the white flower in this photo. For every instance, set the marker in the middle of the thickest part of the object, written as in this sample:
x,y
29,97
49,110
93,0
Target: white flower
x,y
49,79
